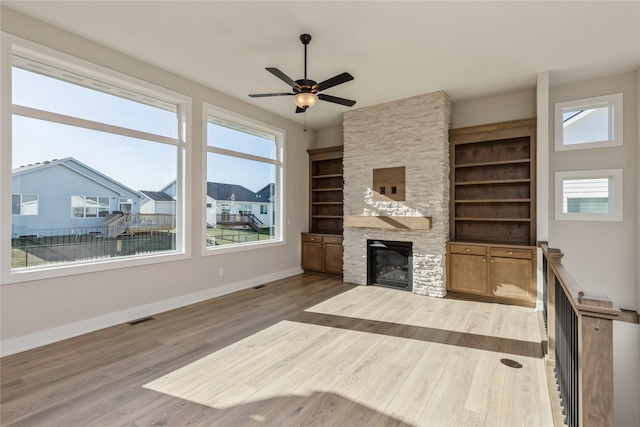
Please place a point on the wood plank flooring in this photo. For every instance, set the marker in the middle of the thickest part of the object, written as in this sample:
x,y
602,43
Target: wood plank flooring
x,y
307,350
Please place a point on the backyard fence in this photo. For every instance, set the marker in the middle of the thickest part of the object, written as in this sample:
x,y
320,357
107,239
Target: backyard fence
x,y
59,246
227,236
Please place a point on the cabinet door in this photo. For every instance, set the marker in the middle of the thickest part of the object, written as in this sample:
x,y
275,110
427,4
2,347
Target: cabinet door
x,y
333,258
468,273
512,278
312,256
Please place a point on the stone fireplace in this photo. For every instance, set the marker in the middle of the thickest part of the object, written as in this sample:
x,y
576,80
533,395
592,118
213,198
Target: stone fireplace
x,y
409,135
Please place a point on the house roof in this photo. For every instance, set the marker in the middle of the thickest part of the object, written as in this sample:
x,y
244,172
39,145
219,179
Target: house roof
x,y
80,168
232,192
157,196
267,192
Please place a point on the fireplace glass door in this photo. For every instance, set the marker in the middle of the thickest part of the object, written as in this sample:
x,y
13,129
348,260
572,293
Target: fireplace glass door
x,y
389,263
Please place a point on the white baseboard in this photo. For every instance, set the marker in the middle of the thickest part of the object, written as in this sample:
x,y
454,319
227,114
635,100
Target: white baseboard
x,y
38,339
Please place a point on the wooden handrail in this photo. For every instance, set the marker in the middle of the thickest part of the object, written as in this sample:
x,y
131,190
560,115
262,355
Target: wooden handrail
x,y
586,383
595,305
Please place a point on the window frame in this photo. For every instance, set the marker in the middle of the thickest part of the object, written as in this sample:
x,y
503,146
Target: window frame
x,y
21,204
11,45
85,206
279,161
615,195
615,123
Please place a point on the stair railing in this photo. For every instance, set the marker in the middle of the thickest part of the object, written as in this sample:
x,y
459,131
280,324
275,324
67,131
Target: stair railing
x,y
580,344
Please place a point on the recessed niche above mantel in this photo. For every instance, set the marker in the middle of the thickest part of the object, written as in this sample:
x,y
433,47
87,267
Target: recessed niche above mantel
x,y
389,184
389,222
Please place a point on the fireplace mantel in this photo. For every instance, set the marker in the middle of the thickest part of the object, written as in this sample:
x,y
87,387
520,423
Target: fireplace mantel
x,y
389,222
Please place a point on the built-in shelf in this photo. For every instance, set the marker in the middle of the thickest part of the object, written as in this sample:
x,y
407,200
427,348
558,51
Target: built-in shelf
x,y
494,219
493,183
494,201
322,247
326,183
496,163
333,175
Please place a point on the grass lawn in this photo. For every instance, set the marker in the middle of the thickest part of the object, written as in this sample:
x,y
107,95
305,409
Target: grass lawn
x,y
225,236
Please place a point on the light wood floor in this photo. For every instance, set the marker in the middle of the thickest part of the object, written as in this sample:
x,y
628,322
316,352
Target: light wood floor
x,y
307,350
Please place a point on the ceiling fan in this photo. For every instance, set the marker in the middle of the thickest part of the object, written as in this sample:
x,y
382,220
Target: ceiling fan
x,y
305,91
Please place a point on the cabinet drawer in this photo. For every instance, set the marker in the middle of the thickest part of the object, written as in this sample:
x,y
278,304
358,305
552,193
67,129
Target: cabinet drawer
x,y
511,253
469,250
332,240
311,238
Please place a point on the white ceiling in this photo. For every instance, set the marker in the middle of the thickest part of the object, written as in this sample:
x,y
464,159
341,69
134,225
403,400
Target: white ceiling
x,y
393,49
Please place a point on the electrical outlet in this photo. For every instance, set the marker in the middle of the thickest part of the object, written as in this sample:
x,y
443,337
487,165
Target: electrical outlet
x,y
221,272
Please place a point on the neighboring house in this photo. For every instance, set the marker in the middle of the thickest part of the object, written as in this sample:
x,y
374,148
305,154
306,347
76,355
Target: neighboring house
x,y
227,200
585,126
157,202
224,201
65,196
268,192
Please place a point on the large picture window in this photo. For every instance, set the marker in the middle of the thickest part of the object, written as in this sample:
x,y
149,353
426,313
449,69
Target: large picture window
x,y
244,181
88,142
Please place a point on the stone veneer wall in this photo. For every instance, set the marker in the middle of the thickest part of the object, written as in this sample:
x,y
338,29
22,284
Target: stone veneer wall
x,y
413,133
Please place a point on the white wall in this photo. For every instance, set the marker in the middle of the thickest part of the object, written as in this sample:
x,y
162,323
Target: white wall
x,y
638,196
40,311
603,256
329,137
499,108
600,255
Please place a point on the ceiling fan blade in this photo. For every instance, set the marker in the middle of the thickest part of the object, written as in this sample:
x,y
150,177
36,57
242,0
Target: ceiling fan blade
x,y
301,110
335,99
262,95
282,76
334,81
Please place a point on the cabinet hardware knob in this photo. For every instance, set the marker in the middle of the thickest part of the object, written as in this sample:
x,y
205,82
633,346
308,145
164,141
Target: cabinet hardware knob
x,y
484,260
491,260
510,253
467,250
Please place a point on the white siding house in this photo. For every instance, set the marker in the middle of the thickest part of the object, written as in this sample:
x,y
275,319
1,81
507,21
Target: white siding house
x,y
157,202
225,200
65,196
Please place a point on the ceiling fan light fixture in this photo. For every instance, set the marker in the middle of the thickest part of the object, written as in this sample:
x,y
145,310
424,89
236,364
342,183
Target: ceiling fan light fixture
x,y
305,99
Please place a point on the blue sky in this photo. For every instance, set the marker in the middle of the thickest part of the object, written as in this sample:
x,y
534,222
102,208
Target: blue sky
x,y
138,164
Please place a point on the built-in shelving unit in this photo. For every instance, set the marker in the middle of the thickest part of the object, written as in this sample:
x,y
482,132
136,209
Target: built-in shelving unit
x,y
322,246
493,183
325,190
492,253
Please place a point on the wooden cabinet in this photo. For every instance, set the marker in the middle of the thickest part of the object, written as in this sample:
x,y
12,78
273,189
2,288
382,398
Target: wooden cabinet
x,y
493,183
322,253
468,269
322,246
493,223
496,272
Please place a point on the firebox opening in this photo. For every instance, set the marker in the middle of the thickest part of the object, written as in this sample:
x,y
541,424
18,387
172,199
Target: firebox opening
x,y
390,264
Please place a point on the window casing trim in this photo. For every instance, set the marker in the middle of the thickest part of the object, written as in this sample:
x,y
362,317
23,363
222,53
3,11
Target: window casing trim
x,y
10,45
21,204
614,102
615,195
210,110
